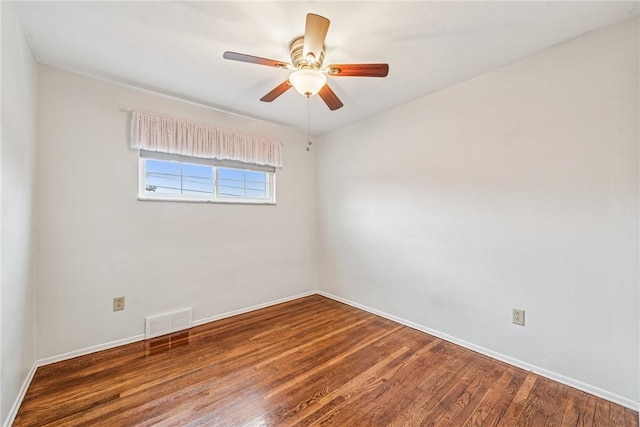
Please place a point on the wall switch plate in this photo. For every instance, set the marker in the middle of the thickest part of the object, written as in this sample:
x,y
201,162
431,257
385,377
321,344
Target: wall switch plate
x,y
118,303
517,317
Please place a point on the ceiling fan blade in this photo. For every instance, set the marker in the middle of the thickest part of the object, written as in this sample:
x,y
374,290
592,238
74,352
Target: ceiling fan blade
x,y
314,34
234,56
279,90
358,70
330,98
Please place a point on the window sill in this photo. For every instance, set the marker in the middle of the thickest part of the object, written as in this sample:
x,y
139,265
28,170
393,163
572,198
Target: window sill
x,y
220,201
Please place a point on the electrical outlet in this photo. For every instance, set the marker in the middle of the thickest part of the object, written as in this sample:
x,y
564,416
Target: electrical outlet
x,y
118,303
517,316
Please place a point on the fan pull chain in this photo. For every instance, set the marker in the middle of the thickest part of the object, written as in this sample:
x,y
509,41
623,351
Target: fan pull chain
x,y
308,120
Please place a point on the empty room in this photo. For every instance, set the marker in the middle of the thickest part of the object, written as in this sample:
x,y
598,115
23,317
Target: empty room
x,y
320,213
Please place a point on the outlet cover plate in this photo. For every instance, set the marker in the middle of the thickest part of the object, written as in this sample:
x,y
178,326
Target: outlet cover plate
x,y
517,317
118,303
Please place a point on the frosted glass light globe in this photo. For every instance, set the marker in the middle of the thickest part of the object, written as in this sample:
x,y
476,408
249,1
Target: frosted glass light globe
x,y
307,82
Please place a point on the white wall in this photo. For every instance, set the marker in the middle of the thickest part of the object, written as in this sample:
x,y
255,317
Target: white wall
x,y
97,241
518,188
17,175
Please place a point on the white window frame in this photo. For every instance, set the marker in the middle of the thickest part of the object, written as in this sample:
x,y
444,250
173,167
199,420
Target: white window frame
x,y
144,195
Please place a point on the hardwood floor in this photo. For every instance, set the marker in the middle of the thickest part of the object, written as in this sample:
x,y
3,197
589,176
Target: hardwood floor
x,y
312,361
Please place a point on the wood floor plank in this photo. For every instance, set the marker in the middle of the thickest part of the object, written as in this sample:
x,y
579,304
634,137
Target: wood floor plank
x,y
616,415
516,409
309,362
630,418
571,411
547,407
587,410
468,401
495,402
556,405
601,413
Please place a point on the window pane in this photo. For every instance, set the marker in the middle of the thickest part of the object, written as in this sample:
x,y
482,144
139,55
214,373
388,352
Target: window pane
x,y
225,173
256,176
230,183
197,179
197,170
162,166
242,183
256,194
230,191
162,177
197,186
256,186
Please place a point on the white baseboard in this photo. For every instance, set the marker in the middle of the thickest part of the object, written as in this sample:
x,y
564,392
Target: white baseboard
x,y
23,390
88,350
95,348
596,391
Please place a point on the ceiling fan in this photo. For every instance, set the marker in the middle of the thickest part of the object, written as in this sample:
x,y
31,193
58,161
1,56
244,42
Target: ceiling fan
x,y
308,76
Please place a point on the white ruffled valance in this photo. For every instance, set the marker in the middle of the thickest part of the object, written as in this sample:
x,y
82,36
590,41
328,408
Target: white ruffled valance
x,y
155,132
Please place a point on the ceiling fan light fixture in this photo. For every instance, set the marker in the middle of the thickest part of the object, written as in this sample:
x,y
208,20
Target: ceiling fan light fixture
x,y
308,77
307,82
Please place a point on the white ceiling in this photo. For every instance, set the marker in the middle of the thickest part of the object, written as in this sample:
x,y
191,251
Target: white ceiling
x,y
176,48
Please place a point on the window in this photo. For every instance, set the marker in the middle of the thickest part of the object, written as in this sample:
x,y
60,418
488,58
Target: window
x,y
171,177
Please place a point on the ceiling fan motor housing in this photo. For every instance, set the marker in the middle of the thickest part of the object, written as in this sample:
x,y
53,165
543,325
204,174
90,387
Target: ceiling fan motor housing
x,y
297,58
